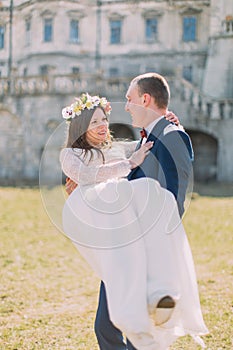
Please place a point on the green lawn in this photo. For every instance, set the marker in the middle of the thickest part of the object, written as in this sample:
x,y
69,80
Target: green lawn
x,y
48,294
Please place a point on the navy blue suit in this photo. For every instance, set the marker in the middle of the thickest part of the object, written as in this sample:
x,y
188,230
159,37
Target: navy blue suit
x,y
169,162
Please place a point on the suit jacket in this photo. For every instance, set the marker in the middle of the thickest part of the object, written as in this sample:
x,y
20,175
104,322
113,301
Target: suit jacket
x,y
169,161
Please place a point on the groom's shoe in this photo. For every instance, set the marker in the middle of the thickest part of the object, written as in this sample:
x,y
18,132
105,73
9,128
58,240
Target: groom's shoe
x,y
163,310
166,303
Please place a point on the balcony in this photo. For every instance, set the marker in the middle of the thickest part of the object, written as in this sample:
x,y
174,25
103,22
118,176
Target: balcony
x,y
63,84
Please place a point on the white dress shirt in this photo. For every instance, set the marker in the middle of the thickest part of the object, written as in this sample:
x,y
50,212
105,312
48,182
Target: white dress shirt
x,y
150,127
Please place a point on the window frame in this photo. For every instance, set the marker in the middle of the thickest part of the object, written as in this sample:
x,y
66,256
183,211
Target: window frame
x,y
113,72
187,73
2,36
51,20
74,40
190,34
152,37
28,31
75,70
119,28
44,69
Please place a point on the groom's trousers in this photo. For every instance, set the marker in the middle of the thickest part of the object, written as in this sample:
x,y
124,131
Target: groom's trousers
x,y
109,337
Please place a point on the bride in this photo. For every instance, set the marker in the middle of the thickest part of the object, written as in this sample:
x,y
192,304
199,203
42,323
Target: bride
x,y
129,232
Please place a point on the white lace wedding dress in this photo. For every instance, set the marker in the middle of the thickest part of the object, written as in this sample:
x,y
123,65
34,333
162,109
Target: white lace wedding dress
x,y
131,235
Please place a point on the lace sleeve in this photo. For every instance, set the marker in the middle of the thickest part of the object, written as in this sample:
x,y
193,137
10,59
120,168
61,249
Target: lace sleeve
x,y
128,146
74,167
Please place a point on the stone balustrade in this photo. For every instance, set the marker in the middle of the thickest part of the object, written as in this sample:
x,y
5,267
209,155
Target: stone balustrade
x,y
62,84
75,84
208,107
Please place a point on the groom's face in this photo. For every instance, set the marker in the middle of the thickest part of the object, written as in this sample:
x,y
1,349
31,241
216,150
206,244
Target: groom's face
x,y
134,105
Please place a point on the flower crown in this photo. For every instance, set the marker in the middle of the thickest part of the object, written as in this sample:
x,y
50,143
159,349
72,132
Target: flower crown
x,y
85,101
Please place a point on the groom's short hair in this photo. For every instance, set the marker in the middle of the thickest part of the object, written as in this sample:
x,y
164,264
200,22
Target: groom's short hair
x,y
155,85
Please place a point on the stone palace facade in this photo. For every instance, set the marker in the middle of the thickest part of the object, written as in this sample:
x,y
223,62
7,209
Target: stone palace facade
x,y
51,51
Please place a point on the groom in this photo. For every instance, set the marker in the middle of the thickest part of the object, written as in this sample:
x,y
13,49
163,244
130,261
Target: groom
x,y
169,162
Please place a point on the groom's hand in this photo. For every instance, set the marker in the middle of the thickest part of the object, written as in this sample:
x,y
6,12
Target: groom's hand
x,y
70,186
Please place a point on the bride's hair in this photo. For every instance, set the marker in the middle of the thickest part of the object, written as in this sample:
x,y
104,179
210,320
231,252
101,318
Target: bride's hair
x,y
76,135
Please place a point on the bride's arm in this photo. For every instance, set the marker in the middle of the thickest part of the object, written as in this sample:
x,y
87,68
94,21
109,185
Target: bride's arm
x,y
128,146
83,174
75,169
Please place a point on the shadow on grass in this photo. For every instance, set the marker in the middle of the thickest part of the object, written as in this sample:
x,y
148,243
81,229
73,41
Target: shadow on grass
x,y
213,189
19,183
208,189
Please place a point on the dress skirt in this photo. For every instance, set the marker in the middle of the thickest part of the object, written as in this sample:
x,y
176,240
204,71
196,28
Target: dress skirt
x,y
131,235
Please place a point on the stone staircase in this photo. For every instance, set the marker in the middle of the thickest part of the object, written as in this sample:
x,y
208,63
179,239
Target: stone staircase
x,y
203,107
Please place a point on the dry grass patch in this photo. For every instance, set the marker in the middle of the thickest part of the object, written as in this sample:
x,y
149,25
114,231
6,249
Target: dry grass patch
x,y
49,295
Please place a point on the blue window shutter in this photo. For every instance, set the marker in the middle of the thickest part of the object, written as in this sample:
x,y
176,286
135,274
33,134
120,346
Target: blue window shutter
x,y
188,73
2,37
74,30
151,28
189,28
27,32
115,27
48,30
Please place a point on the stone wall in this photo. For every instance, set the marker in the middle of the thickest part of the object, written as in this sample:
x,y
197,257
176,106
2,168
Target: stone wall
x,y
32,126
30,104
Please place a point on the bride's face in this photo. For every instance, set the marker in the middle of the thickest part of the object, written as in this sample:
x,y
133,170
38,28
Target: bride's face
x,y
97,131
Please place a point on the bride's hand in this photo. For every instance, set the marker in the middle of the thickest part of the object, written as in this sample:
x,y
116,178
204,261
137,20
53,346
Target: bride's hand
x,y
70,185
138,157
171,117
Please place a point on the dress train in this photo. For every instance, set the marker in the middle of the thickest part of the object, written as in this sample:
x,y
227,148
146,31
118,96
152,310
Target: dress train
x,y
131,235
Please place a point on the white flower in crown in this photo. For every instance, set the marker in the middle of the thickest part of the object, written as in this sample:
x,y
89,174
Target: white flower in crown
x,y
103,102
96,101
85,101
67,113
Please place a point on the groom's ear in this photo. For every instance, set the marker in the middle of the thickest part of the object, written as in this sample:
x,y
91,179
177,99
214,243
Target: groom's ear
x,y
146,99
